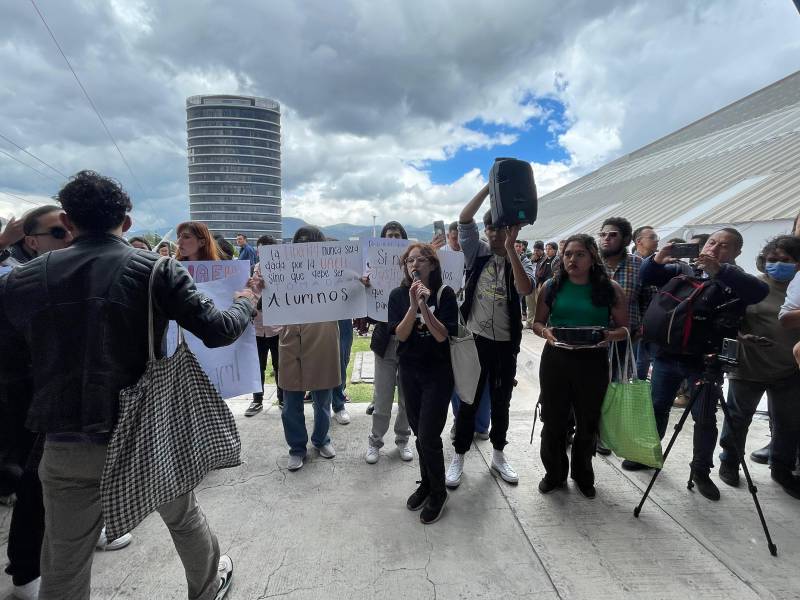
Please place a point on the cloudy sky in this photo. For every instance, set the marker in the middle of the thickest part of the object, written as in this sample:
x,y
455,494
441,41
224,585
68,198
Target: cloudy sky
x,y
389,108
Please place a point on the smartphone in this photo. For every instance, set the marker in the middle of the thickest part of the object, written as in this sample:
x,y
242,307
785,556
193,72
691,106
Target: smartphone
x,y
438,228
685,250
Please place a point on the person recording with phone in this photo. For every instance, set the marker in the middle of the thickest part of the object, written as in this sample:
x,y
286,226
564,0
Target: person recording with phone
x,y
497,278
423,313
716,261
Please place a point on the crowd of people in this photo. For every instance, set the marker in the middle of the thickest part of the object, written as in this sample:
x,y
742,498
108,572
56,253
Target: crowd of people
x,y
73,332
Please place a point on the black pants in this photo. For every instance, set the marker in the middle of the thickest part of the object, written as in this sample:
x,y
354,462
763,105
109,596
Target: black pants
x,y
267,345
571,380
427,393
26,531
499,367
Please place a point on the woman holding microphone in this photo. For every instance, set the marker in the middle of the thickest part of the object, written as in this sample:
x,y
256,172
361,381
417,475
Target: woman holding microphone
x,y
422,315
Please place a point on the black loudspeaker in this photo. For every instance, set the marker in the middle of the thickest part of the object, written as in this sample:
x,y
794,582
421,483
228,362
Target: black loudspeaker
x,y
512,192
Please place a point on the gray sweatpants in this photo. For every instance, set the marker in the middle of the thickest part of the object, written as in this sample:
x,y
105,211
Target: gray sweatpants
x,y
70,474
383,397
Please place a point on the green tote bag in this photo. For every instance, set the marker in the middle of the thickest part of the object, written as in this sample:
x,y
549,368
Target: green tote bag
x,y
627,421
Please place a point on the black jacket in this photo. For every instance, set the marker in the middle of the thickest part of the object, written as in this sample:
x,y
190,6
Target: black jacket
x,y
82,313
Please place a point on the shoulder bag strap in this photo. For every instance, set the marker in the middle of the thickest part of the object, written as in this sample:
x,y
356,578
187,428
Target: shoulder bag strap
x,y
150,324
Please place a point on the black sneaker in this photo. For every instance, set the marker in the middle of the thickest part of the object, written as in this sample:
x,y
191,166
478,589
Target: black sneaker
x,y
586,489
602,450
632,465
761,456
418,499
433,509
729,473
790,483
546,486
253,409
371,408
705,486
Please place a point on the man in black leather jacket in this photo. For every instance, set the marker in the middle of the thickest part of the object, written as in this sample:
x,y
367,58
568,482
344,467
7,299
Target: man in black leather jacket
x,y
82,313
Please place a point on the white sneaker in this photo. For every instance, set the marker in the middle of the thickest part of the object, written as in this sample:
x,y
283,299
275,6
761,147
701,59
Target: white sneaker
x,y
225,573
29,591
342,417
327,451
117,544
405,452
501,466
372,455
452,478
295,462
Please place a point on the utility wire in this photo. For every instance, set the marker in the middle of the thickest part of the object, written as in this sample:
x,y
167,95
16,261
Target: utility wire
x,y
21,198
12,157
89,98
49,166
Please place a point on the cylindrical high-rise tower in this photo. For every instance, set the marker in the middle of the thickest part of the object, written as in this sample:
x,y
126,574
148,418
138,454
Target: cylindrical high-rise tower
x,y
235,164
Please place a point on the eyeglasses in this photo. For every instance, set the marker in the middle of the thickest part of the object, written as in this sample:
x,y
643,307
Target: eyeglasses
x,y
607,234
419,259
58,233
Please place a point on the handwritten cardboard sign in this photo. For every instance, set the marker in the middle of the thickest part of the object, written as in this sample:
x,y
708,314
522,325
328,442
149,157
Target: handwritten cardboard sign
x,y
382,264
234,369
311,282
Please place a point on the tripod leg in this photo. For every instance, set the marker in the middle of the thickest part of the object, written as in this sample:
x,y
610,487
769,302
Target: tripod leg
x,y
678,427
773,549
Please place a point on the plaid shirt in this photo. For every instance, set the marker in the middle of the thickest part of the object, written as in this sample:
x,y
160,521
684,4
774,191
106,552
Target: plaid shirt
x,y
627,276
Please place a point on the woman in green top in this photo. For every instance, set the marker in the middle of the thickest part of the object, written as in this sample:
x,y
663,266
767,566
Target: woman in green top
x,y
580,294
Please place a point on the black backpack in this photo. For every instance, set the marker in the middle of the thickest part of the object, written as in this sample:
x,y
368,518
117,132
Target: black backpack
x,y
689,315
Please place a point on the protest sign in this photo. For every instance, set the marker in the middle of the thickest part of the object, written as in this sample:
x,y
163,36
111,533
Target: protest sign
x,y
382,265
312,282
452,268
233,369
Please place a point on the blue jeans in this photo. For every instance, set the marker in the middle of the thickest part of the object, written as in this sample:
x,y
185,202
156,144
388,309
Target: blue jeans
x,y
668,374
645,352
484,414
294,421
345,344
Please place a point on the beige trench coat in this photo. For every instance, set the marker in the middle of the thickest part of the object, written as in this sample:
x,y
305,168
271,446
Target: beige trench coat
x,y
309,357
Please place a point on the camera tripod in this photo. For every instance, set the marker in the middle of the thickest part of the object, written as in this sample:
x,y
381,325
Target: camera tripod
x,y
709,389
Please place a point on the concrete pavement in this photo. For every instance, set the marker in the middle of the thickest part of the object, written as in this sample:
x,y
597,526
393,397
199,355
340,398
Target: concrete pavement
x,y
339,528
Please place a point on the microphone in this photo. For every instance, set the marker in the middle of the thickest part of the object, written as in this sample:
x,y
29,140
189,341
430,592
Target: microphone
x,y
415,275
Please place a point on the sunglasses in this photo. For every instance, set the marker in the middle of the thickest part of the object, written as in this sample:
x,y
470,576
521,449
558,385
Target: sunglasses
x,y
58,233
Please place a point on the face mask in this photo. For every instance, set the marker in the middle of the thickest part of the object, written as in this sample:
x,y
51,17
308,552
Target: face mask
x,y
781,271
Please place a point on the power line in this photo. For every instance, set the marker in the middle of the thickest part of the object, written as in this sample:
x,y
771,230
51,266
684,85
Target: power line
x,y
89,98
21,198
12,157
49,166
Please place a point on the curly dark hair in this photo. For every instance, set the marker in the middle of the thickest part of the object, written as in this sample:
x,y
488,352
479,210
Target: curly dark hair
x,y
94,203
624,226
788,243
602,289
429,252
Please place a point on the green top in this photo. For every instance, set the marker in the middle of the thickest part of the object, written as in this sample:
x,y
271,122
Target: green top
x,y
572,307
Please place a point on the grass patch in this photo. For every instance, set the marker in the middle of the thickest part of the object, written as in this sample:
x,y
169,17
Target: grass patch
x,y
358,392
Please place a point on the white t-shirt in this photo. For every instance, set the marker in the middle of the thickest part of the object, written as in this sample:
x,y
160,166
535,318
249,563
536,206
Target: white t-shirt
x,y
792,301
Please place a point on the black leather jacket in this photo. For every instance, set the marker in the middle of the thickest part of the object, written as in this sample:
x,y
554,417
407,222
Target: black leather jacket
x,y
82,313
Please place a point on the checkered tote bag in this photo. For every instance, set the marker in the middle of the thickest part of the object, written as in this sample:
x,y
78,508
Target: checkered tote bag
x,y
173,429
